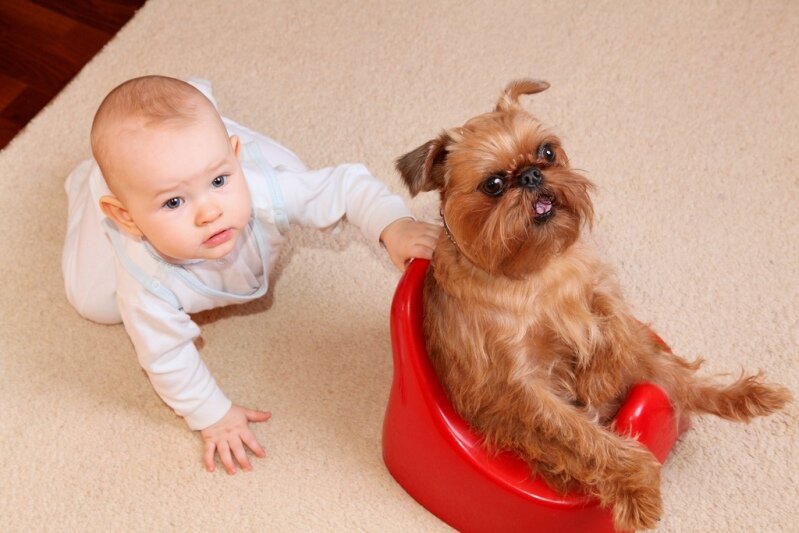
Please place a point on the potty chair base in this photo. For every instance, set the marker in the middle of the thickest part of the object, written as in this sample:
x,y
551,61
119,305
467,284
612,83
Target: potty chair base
x,y
439,461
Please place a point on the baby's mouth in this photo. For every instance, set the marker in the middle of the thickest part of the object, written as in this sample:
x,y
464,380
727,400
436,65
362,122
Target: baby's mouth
x,y
218,238
544,208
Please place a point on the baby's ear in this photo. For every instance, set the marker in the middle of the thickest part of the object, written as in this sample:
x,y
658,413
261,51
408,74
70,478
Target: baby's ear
x,y
116,211
423,169
235,142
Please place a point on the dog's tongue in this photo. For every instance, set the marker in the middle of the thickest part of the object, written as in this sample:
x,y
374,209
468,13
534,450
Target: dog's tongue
x,y
543,206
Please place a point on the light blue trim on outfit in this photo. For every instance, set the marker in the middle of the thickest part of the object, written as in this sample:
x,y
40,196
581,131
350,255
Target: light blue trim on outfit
x,y
278,205
191,279
152,285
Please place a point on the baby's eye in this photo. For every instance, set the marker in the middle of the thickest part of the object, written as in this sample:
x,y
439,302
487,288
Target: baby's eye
x,y
219,181
173,203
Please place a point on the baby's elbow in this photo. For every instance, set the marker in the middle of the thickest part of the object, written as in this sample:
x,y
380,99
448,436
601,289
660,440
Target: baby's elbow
x,y
99,310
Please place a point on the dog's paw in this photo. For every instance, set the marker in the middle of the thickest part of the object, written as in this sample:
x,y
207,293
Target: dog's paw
x,y
637,509
637,502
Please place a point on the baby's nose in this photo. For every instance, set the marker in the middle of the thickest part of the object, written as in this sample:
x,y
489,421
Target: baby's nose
x,y
207,213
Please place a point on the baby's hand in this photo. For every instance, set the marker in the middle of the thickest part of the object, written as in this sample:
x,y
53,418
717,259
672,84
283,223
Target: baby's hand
x,y
229,435
406,238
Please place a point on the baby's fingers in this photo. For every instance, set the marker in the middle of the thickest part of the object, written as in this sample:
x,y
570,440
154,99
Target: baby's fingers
x,y
226,457
257,416
432,230
241,456
208,455
425,248
249,439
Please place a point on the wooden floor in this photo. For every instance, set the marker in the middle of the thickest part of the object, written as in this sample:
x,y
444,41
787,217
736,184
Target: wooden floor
x,y
43,44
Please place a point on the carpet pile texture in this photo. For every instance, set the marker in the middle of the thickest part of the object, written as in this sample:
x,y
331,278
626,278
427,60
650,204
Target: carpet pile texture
x,y
685,115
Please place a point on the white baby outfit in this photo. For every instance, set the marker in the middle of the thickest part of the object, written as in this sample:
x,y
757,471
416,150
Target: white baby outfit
x,y
111,276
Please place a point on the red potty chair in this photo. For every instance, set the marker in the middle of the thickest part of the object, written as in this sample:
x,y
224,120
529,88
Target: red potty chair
x,y
439,461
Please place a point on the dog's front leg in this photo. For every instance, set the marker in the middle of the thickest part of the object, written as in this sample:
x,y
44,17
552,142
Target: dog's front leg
x,y
560,443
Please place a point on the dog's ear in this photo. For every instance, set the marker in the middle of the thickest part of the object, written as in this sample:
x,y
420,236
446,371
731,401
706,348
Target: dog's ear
x,y
510,98
423,168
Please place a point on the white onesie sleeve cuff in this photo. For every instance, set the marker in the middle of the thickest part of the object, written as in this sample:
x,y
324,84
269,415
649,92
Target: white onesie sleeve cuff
x,y
210,411
393,209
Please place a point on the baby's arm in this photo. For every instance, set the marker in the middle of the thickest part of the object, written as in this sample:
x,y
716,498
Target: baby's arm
x,y
322,198
164,341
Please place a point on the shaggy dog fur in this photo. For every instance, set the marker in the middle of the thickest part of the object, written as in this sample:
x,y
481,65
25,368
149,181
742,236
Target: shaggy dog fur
x,y
527,328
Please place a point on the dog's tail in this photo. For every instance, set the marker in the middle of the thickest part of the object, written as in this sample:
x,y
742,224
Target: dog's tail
x,y
516,88
746,398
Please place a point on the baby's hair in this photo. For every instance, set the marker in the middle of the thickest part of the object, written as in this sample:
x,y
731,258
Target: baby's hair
x,y
152,100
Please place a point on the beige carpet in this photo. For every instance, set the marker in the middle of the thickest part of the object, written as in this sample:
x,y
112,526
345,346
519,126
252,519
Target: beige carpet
x,y
685,114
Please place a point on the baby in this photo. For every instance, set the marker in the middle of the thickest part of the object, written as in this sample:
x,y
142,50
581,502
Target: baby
x,y
181,211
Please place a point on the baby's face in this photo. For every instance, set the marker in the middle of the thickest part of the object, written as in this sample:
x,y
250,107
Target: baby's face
x,y
183,188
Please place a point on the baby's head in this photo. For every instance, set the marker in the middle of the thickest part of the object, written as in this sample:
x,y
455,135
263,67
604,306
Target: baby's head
x,y
171,167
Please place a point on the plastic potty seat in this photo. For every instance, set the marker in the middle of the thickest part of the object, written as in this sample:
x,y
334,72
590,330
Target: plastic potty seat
x,y
439,461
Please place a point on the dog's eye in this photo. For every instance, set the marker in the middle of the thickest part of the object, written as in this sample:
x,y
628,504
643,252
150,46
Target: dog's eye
x,y
547,152
493,186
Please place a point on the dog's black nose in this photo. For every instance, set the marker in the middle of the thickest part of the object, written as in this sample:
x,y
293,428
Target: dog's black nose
x,y
531,177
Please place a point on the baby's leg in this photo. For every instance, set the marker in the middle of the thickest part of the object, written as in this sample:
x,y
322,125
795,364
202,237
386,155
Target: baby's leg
x,y
87,262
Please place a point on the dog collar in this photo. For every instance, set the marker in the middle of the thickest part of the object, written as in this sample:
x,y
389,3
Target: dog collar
x,y
446,229
452,239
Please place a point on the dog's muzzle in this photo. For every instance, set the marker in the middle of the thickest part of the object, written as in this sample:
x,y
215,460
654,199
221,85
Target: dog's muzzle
x,y
544,208
544,205
530,178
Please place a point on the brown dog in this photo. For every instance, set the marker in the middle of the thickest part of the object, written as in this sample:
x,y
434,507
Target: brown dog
x,y
527,328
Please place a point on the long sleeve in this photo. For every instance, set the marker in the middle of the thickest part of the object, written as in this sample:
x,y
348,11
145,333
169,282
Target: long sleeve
x,y
164,341
322,198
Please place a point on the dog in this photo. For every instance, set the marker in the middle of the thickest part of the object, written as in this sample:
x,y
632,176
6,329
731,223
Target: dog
x,y
527,328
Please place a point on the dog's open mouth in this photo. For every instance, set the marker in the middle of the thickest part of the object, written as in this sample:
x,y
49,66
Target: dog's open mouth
x,y
544,208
